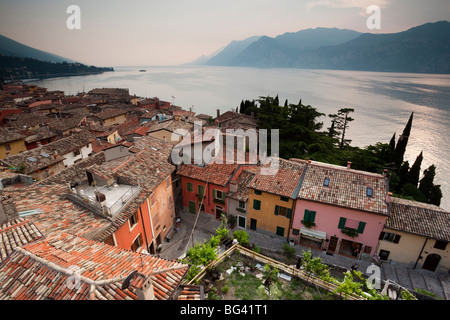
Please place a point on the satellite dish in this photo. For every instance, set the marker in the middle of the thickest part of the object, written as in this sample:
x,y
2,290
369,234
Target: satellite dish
x,y
128,279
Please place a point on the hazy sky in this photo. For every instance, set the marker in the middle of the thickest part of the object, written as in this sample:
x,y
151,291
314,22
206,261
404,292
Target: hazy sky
x,y
167,32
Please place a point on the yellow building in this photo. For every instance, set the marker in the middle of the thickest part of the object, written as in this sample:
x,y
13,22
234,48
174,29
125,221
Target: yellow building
x,y
12,142
271,198
416,235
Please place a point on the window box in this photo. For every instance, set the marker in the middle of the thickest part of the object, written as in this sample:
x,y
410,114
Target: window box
x,y
219,201
308,224
350,232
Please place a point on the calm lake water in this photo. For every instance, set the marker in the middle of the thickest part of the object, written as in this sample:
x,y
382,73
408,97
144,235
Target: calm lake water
x,y
382,101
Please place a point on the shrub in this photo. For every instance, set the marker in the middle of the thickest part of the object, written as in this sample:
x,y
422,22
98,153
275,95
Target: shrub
x,y
241,236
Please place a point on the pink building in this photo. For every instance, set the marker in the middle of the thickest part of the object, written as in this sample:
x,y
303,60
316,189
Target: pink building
x,y
340,210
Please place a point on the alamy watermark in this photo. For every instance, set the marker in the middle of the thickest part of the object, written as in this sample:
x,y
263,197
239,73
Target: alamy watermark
x,y
73,22
373,21
234,146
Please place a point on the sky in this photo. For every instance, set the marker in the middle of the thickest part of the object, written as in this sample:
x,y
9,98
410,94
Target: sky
x,y
172,32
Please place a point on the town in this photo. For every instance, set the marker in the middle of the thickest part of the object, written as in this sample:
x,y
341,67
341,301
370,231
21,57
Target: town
x,y
89,192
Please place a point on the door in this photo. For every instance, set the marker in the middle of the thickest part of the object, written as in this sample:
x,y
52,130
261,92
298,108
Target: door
x,y
280,231
242,222
332,245
431,262
192,207
252,224
219,211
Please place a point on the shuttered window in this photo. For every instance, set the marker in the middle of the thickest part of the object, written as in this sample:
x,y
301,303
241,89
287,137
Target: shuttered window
x,y
361,227
341,224
283,211
309,216
256,204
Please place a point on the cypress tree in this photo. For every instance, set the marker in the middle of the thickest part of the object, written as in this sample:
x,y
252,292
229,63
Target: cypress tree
x,y
414,172
431,191
392,148
402,143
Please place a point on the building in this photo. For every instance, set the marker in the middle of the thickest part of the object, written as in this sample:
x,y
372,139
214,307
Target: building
x,y
166,130
12,142
416,235
67,267
53,157
237,195
204,187
340,210
271,198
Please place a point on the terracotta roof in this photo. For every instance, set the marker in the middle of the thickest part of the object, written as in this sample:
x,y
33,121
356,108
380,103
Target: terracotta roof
x,y
218,174
44,156
283,181
107,114
58,213
66,267
171,125
347,187
9,135
242,181
419,218
17,233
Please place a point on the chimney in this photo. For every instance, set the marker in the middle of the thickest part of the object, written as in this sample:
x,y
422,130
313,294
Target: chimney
x,y
388,197
146,292
385,173
218,113
349,164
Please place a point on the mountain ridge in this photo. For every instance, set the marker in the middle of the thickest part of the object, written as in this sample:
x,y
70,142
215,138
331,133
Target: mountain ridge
x,y
420,49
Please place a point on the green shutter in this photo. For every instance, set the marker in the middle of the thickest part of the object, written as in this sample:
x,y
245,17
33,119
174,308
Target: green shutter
x,y
201,189
306,216
341,224
312,216
280,231
189,187
289,213
277,208
214,193
361,227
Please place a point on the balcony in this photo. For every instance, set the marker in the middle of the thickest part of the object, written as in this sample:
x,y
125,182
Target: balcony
x,y
116,197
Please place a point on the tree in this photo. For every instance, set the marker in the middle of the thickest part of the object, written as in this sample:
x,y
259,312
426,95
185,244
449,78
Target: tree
x,y
414,172
340,124
431,191
402,142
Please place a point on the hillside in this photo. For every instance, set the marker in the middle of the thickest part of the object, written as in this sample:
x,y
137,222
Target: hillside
x,y
9,47
16,68
422,49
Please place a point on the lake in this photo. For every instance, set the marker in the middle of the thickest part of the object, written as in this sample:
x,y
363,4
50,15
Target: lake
x,y
382,101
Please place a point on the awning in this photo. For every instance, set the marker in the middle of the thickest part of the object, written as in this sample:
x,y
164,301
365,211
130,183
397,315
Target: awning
x,y
313,233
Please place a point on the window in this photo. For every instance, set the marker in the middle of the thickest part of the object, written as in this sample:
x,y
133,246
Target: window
x,y
201,190
167,183
440,245
76,152
295,232
219,194
190,187
256,204
369,192
309,216
134,219
367,249
152,199
388,236
280,231
326,182
384,254
137,243
283,211
7,147
242,204
286,199
170,200
257,192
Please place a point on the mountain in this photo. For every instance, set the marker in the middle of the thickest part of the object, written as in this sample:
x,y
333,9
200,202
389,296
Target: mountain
x,y
9,47
226,56
422,49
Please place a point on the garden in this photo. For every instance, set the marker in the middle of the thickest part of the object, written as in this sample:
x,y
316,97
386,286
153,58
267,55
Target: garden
x,y
230,268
